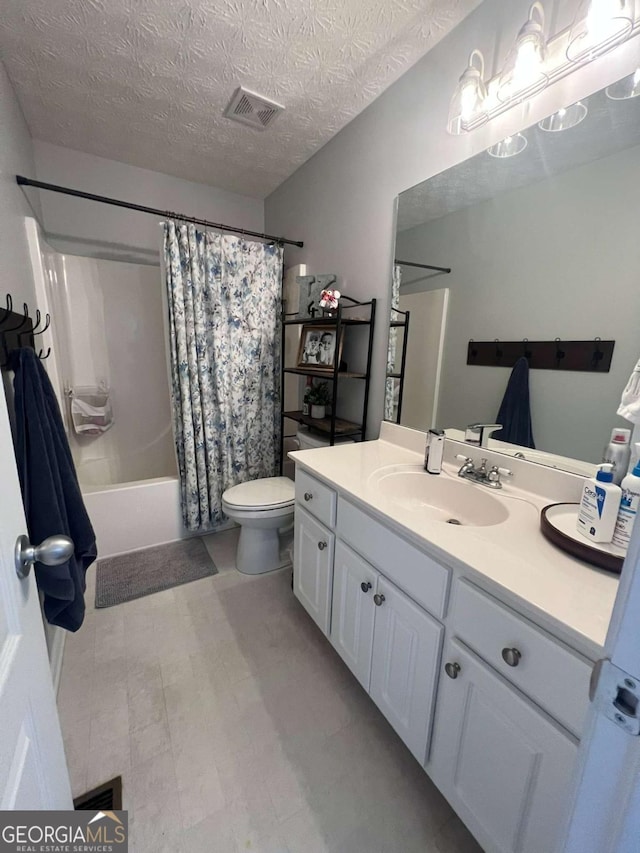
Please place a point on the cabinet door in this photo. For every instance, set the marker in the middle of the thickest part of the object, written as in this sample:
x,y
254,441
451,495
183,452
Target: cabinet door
x,y
313,567
502,763
406,651
353,611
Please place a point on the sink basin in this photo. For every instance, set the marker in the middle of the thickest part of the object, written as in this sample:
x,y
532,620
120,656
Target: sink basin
x,y
438,498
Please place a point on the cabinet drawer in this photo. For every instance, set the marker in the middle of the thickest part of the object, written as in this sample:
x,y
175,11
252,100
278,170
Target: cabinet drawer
x,y
413,571
550,673
316,498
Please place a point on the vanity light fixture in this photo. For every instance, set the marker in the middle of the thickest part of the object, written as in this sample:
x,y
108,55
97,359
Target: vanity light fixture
x,y
466,110
509,146
564,118
524,73
598,26
628,87
536,60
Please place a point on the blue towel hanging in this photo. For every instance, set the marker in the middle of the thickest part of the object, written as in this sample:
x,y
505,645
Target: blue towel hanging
x,y
515,409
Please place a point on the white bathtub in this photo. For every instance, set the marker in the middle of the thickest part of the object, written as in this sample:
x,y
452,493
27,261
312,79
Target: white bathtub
x,y
129,516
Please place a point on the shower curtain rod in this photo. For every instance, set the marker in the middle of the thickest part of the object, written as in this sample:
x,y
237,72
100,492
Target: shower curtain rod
x,y
422,266
165,214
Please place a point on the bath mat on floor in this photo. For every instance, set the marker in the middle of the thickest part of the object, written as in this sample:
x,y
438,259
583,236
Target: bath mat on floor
x,y
129,576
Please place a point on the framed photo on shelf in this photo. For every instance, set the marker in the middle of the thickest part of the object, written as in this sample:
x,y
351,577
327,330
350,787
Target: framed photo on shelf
x,y
319,347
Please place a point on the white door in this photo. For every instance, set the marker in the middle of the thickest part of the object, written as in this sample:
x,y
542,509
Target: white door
x,y
313,567
504,766
33,770
406,652
605,813
353,611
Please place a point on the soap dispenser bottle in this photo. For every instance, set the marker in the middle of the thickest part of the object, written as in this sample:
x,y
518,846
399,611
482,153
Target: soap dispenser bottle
x,y
433,451
599,506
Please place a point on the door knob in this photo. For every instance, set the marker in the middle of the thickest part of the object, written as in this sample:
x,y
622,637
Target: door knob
x,y
365,586
511,657
452,669
54,551
378,598
322,545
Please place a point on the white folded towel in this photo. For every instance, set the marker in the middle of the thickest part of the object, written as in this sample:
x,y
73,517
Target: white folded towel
x,y
629,407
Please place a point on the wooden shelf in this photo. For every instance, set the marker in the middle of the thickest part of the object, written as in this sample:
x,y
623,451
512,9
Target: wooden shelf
x,y
324,374
326,321
324,424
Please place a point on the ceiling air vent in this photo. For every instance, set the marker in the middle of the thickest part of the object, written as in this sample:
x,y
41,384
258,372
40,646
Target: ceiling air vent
x,y
252,109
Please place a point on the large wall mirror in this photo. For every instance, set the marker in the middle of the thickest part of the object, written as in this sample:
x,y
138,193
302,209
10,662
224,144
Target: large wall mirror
x,y
540,245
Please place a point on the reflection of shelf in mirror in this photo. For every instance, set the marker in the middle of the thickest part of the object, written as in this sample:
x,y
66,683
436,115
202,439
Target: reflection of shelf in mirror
x,y
394,376
324,424
326,321
395,324
324,374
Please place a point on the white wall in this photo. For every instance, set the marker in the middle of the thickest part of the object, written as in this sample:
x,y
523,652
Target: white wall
x,y
16,155
341,202
78,226
559,258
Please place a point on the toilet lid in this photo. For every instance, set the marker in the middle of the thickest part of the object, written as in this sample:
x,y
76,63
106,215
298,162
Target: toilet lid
x,y
266,493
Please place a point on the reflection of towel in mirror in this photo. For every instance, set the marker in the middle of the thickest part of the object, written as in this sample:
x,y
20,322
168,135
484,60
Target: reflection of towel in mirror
x,y
515,409
629,407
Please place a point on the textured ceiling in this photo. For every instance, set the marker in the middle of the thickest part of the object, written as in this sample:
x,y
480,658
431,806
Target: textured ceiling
x,y
610,126
146,81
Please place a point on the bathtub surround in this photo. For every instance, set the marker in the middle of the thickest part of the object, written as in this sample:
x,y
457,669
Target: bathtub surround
x,y
224,302
152,570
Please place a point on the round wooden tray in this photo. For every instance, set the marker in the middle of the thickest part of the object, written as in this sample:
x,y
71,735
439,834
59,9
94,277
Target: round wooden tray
x,y
558,525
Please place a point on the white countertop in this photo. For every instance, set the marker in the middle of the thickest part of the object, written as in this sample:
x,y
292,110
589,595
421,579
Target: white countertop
x,y
512,559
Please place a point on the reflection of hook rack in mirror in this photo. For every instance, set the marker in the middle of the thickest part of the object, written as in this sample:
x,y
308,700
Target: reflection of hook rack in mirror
x,y
18,330
590,356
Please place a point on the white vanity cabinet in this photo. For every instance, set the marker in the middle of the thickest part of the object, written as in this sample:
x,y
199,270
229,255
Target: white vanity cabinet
x,y
313,567
390,644
494,719
504,765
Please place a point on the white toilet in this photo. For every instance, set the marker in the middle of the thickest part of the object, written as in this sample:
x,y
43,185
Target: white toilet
x,y
261,508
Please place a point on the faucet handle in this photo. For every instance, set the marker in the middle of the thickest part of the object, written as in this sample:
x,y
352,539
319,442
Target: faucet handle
x,y
463,458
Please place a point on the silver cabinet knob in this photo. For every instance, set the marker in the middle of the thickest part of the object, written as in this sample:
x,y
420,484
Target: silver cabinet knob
x,y
322,545
365,586
307,496
378,598
452,669
54,551
511,657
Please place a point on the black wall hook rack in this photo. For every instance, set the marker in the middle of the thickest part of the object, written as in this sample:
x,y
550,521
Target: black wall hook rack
x,y
18,329
589,356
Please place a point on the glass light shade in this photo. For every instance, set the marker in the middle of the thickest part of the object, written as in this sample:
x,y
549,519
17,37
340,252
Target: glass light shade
x,y
628,87
598,26
509,146
467,107
564,118
524,72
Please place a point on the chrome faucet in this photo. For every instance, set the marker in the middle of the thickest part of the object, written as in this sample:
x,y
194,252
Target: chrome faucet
x,y
490,479
479,434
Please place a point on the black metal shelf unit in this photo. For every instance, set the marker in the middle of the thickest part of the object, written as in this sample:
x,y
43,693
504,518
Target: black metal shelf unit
x,y
333,426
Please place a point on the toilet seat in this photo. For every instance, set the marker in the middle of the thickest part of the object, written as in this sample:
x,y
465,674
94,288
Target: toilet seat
x,y
264,495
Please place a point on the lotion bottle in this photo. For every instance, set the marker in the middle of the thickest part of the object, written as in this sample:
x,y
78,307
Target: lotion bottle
x,y
599,506
618,453
628,510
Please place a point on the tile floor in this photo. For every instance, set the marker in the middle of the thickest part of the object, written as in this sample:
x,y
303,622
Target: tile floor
x,y
236,727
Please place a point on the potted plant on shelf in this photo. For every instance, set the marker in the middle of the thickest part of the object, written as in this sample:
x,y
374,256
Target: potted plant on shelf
x,y
319,398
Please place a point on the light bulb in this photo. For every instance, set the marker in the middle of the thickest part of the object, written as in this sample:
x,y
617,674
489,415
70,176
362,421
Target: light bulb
x,y
523,74
628,87
598,26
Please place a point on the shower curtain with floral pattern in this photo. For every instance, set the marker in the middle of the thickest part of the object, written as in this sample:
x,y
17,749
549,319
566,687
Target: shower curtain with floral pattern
x,y
224,296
